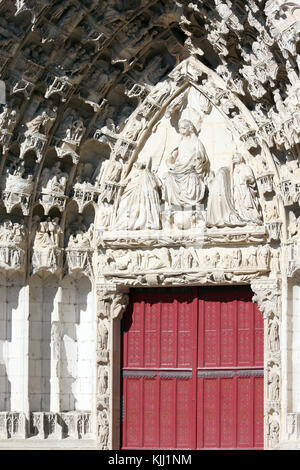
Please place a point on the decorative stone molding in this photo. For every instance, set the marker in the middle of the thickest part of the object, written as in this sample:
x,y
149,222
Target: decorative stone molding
x,y
12,425
293,266
290,192
265,183
79,260
111,303
166,238
73,424
293,426
17,192
46,259
84,194
267,294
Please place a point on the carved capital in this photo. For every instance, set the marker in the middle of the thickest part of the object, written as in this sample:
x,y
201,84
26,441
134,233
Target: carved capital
x,y
111,301
119,304
267,296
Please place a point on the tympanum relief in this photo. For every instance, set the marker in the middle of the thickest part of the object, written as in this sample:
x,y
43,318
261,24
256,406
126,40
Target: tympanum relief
x,y
173,183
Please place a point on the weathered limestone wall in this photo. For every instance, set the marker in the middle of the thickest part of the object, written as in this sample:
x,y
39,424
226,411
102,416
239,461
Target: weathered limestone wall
x,y
13,342
47,349
42,294
78,345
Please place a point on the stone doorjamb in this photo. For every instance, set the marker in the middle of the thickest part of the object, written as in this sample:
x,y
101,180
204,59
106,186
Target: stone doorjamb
x,y
112,301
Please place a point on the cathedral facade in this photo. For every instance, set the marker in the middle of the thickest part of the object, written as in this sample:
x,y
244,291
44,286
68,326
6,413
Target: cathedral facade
x,y
150,224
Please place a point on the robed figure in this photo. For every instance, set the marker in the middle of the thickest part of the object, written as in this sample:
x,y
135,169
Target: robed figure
x,y
220,209
139,206
188,167
245,196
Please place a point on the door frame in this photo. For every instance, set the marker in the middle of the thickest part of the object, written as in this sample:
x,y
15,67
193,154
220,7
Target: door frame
x,y
267,294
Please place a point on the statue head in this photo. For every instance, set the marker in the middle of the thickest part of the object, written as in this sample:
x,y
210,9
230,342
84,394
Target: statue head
x,y
186,127
238,158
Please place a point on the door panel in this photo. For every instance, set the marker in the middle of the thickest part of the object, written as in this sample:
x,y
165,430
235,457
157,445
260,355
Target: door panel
x,y
192,369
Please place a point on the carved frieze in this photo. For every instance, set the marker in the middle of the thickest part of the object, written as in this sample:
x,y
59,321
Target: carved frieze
x,y
185,260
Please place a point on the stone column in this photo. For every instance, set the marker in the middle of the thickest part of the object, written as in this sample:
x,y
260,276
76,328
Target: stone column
x,y
267,294
293,411
25,420
56,338
111,303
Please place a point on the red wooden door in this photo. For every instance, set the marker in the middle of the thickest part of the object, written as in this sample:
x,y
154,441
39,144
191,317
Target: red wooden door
x,y
192,369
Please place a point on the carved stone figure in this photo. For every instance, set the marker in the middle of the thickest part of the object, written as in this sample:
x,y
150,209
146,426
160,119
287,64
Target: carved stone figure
x,y
294,226
76,130
274,386
111,171
188,166
119,304
103,428
240,123
220,209
8,119
273,335
263,256
42,123
275,262
121,260
54,179
80,236
133,132
274,433
12,233
102,335
102,380
47,233
12,244
189,258
139,206
157,259
245,191
4,116
237,258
